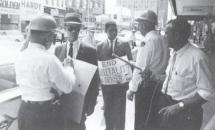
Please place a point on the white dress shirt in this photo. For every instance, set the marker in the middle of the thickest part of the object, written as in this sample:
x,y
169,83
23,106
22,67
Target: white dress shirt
x,y
190,74
75,46
154,56
113,44
37,71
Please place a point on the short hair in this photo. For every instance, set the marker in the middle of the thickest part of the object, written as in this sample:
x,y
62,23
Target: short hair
x,y
181,26
108,24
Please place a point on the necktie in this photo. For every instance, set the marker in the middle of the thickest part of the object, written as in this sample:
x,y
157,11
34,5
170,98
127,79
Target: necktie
x,y
112,47
170,72
71,50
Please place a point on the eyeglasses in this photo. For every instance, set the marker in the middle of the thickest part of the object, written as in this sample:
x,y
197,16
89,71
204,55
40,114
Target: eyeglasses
x,y
73,28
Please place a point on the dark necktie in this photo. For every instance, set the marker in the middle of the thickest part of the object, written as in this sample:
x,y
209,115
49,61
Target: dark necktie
x,y
111,47
71,50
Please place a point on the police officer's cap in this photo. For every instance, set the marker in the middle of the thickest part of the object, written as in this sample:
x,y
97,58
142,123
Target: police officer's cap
x,y
44,22
148,16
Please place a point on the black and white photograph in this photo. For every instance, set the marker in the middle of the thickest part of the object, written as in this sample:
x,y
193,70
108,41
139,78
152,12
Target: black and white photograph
x,y
107,64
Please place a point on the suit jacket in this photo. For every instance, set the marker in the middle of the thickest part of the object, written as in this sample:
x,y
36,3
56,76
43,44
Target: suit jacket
x,y
121,49
88,54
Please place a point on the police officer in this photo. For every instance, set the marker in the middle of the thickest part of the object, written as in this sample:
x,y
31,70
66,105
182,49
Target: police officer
x,y
152,57
37,72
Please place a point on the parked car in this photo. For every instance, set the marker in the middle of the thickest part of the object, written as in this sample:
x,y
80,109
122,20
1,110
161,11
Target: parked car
x,y
12,35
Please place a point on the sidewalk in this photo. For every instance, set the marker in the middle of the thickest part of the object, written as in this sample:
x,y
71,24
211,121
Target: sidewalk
x,y
96,120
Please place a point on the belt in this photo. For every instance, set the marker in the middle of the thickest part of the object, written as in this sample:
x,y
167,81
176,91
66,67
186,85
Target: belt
x,y
39,102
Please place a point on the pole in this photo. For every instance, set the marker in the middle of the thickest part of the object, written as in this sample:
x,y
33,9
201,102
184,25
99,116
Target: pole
x,y
132,11
127,62
88,13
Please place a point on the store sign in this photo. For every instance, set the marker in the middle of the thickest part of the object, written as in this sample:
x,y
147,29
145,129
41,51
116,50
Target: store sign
x,y
59,4
196,10
30,8
36,5
9,6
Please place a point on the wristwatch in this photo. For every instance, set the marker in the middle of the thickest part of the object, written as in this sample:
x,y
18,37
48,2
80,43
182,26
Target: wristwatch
x,y
181,104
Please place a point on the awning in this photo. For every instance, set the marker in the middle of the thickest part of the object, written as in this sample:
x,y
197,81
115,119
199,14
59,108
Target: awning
x,y
193,9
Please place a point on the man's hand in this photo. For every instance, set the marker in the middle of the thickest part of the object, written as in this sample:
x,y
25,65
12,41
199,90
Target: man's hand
x,y
130,95
169,111
146,74
6,121
68,62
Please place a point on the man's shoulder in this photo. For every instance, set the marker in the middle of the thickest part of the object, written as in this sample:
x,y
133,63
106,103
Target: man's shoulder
x,y
87,46
196,52
47,56
101,44
60,46
153,35
122,43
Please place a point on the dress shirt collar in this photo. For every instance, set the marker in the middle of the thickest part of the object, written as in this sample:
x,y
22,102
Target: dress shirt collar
x,y
76,46
183,49
36,45
75,43
109,42
150,33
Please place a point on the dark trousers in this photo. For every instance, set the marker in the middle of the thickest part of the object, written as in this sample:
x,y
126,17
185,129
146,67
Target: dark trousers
x,y
38,116
188,119
146,118
114,106
72,125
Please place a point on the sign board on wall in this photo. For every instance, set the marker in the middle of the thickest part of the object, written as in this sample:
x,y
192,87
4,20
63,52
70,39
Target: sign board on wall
x,y
9,6
196,10
58,4
30,8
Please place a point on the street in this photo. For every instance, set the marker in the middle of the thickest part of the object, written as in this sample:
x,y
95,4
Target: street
x,y
8,51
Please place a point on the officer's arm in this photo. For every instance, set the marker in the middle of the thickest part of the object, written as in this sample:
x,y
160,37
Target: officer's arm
x,y
63,77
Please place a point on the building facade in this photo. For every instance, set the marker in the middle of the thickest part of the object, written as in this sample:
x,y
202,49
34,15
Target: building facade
x,y
160,7
9,14
16,14
56,8
88,9
139,5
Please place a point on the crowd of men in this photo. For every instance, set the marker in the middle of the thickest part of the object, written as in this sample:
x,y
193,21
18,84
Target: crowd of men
x,y
169,88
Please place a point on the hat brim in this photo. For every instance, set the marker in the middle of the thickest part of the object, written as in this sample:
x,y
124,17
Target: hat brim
x,y
70,23
142,19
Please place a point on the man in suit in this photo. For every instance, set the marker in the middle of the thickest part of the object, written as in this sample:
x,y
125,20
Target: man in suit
x,y
114,95
76,49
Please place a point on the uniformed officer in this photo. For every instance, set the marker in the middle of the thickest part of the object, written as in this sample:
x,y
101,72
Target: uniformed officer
x,y
153,56
37,72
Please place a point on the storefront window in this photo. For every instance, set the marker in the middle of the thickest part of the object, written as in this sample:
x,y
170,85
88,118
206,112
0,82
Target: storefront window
x,y
9,22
